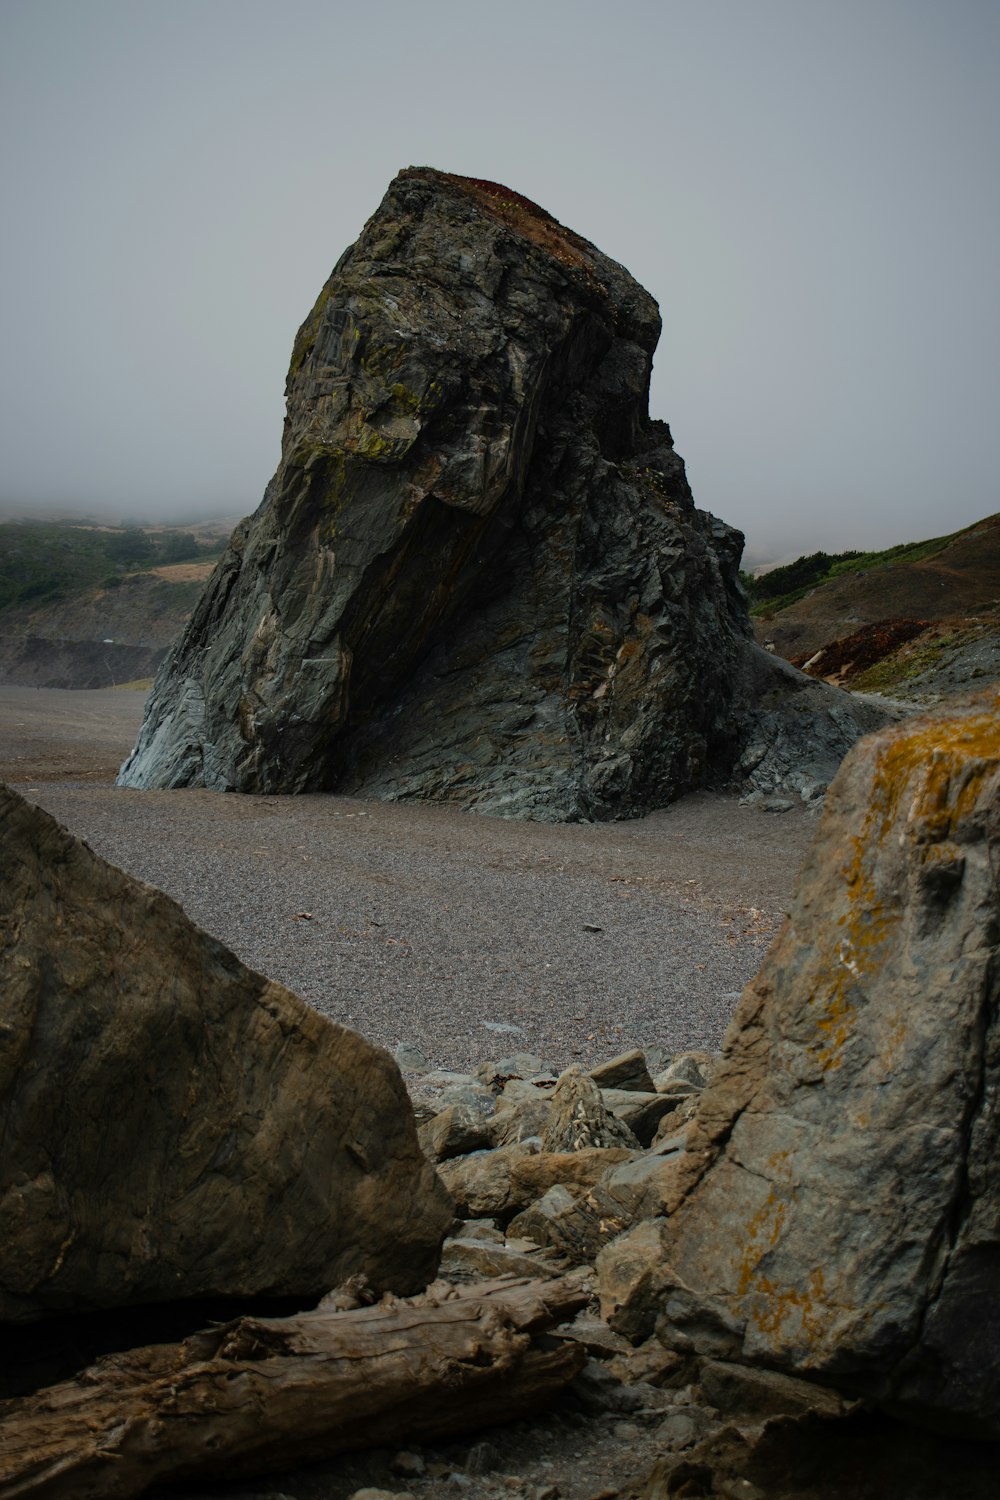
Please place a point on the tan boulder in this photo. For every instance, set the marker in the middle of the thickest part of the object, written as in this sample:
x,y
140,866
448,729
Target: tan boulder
x,y
627,1071
175,1125
455,1131
499,1184
566,1222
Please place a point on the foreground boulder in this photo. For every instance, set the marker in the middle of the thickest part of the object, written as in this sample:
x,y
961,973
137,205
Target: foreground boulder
x,y
173,1124
478,574
837,1212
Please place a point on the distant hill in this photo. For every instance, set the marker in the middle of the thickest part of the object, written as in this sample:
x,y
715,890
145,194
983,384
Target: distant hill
x,y
84,605
918,620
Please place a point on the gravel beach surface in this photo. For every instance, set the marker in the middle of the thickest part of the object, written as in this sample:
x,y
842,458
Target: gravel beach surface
x,y
464,936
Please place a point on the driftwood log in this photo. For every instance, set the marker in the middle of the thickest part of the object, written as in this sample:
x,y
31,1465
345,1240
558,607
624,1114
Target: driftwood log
x,y
260,1394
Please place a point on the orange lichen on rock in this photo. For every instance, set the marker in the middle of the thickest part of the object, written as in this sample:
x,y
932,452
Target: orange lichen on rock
x,y
940,763
935,769
519,213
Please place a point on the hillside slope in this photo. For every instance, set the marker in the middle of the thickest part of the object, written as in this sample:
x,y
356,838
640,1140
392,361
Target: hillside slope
x,y
921,629
89,607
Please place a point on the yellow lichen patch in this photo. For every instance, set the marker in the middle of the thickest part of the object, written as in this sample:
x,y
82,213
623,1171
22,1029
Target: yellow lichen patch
x,y
305,339
864,929
939,766
416,403
762,1235
794,1314
926,778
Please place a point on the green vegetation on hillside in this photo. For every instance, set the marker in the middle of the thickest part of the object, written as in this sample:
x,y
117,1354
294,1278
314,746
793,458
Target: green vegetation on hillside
x,y
45,562
786,585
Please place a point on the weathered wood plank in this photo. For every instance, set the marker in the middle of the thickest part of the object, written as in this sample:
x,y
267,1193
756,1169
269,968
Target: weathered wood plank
x,y
260,1394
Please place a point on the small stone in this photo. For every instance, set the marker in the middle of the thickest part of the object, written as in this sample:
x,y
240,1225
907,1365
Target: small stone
x,y
515,1065
474,1260
678,1430
651,1363
630,1277
598,1391
734,1388
479,1229
410,1059
738,1489
566,1223
408,1464
482,1458
628,1071
693,1068
455,1131
377,1494
641,1112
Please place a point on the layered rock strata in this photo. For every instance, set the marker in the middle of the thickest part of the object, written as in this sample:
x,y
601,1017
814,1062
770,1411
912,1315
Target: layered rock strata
x,y
478,574
173,1124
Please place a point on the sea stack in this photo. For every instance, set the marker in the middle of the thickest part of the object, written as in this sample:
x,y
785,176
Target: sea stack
x,y
478,575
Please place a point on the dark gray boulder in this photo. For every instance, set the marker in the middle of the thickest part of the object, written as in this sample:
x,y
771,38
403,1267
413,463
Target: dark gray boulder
x,y
172,1124
478,574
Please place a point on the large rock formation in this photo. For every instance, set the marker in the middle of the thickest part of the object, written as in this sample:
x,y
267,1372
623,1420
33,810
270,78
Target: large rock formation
x,y
174,1125
478,573
837,1211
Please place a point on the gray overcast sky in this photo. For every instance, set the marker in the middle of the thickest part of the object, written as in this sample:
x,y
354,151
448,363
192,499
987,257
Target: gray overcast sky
x,y
808,188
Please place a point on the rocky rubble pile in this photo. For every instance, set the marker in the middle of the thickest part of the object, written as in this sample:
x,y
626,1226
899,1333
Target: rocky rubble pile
x,y
547,1170
536,1161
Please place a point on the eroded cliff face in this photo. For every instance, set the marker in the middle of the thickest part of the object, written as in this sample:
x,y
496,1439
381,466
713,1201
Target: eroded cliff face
x,y
478,574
